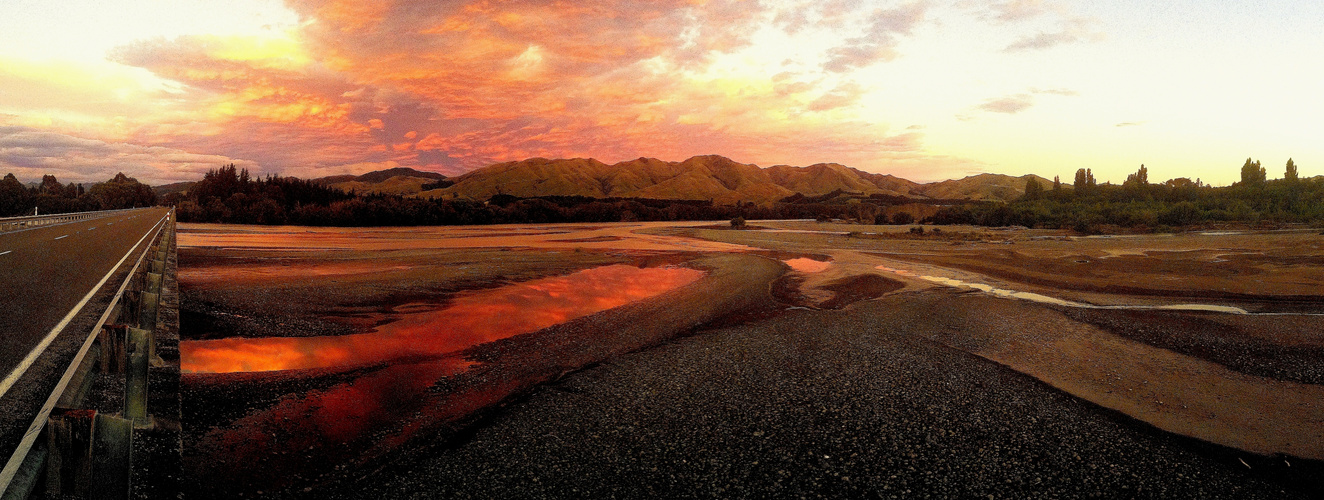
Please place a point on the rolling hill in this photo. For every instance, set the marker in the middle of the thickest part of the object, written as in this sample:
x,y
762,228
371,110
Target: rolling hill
x,y
401,181
709,177
983,187
178,187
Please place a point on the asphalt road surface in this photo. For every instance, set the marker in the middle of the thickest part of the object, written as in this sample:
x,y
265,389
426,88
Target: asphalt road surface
x,y
45,272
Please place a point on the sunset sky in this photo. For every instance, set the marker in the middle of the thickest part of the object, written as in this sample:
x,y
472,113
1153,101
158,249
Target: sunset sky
x,y
164,90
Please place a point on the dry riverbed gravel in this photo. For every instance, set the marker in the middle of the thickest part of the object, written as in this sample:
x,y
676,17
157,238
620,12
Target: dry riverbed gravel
x,y
809,404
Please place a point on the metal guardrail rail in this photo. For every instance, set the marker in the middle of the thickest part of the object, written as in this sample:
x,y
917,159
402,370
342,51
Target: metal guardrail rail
x,y
30,221
70,451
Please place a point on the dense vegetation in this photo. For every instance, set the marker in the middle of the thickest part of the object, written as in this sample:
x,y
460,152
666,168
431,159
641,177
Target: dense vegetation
x,y
52,197
1141,206
229,195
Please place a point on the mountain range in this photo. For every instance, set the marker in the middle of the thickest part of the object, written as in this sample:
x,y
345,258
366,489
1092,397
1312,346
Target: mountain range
x,y
713,178
710,177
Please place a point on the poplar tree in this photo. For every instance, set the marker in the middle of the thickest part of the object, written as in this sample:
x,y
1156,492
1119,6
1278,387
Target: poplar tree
x,y
1252,174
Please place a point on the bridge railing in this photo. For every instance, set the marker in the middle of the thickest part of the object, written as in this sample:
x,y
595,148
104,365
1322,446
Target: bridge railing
x,y
29,221
73,450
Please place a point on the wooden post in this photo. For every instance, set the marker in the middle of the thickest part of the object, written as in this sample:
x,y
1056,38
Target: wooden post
x,y
69,452
130,305
113,351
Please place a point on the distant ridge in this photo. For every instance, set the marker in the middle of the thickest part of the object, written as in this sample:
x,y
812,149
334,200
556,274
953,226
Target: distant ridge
x,y
984,187
710,177
177,187
399,180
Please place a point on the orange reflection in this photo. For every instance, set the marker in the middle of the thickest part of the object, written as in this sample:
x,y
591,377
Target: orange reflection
x,y
807,265
307,434
470,320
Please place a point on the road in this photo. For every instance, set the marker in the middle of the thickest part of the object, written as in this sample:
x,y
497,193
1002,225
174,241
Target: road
x,y
47,271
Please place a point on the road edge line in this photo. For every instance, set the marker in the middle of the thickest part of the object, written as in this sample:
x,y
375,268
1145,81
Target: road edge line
x,y
40,349
30,436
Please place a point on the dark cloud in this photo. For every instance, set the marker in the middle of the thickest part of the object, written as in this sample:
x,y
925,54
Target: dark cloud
x,y
880,39
29,153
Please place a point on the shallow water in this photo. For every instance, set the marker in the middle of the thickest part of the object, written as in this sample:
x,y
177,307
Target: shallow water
x,y
1044,299
807,265
306,434
469,320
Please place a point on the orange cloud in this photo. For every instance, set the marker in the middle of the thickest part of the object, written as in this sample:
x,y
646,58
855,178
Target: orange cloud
x,y
482,82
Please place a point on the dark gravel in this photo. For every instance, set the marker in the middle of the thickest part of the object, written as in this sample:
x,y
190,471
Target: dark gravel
x,y
1291,353
814,404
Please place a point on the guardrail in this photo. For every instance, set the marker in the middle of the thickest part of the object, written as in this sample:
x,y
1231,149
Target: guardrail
x,y
30,221
71,450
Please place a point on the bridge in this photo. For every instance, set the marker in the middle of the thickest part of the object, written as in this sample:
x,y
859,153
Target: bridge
x,y
89,355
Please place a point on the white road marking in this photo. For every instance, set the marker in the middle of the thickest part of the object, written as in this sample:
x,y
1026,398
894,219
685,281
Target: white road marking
x,y
38,423
5,252
50,337
65,236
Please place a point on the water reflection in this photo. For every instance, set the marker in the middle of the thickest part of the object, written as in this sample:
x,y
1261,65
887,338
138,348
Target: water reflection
x,y
470,320
1044,299
305,435
807,265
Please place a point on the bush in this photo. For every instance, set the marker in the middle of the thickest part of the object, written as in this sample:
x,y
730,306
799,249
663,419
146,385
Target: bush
x,y
738,223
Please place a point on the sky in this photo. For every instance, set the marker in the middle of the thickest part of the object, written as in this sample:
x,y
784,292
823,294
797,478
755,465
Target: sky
x,y
164,90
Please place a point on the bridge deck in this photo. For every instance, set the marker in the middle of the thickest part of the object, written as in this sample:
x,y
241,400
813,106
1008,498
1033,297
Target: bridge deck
x,y
45,274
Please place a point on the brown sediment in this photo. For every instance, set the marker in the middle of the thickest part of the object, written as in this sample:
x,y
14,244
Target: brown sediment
x,y
853,289
787,290
1172,391
593,239
1277,272
1288,347
1087,279
630,236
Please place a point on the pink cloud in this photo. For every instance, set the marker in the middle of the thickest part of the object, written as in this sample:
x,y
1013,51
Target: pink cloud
x,y
453,86
1011,104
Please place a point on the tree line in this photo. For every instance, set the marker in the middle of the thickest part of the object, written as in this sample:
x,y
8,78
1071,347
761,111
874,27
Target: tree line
x,y
52,197
1140,205
231,195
